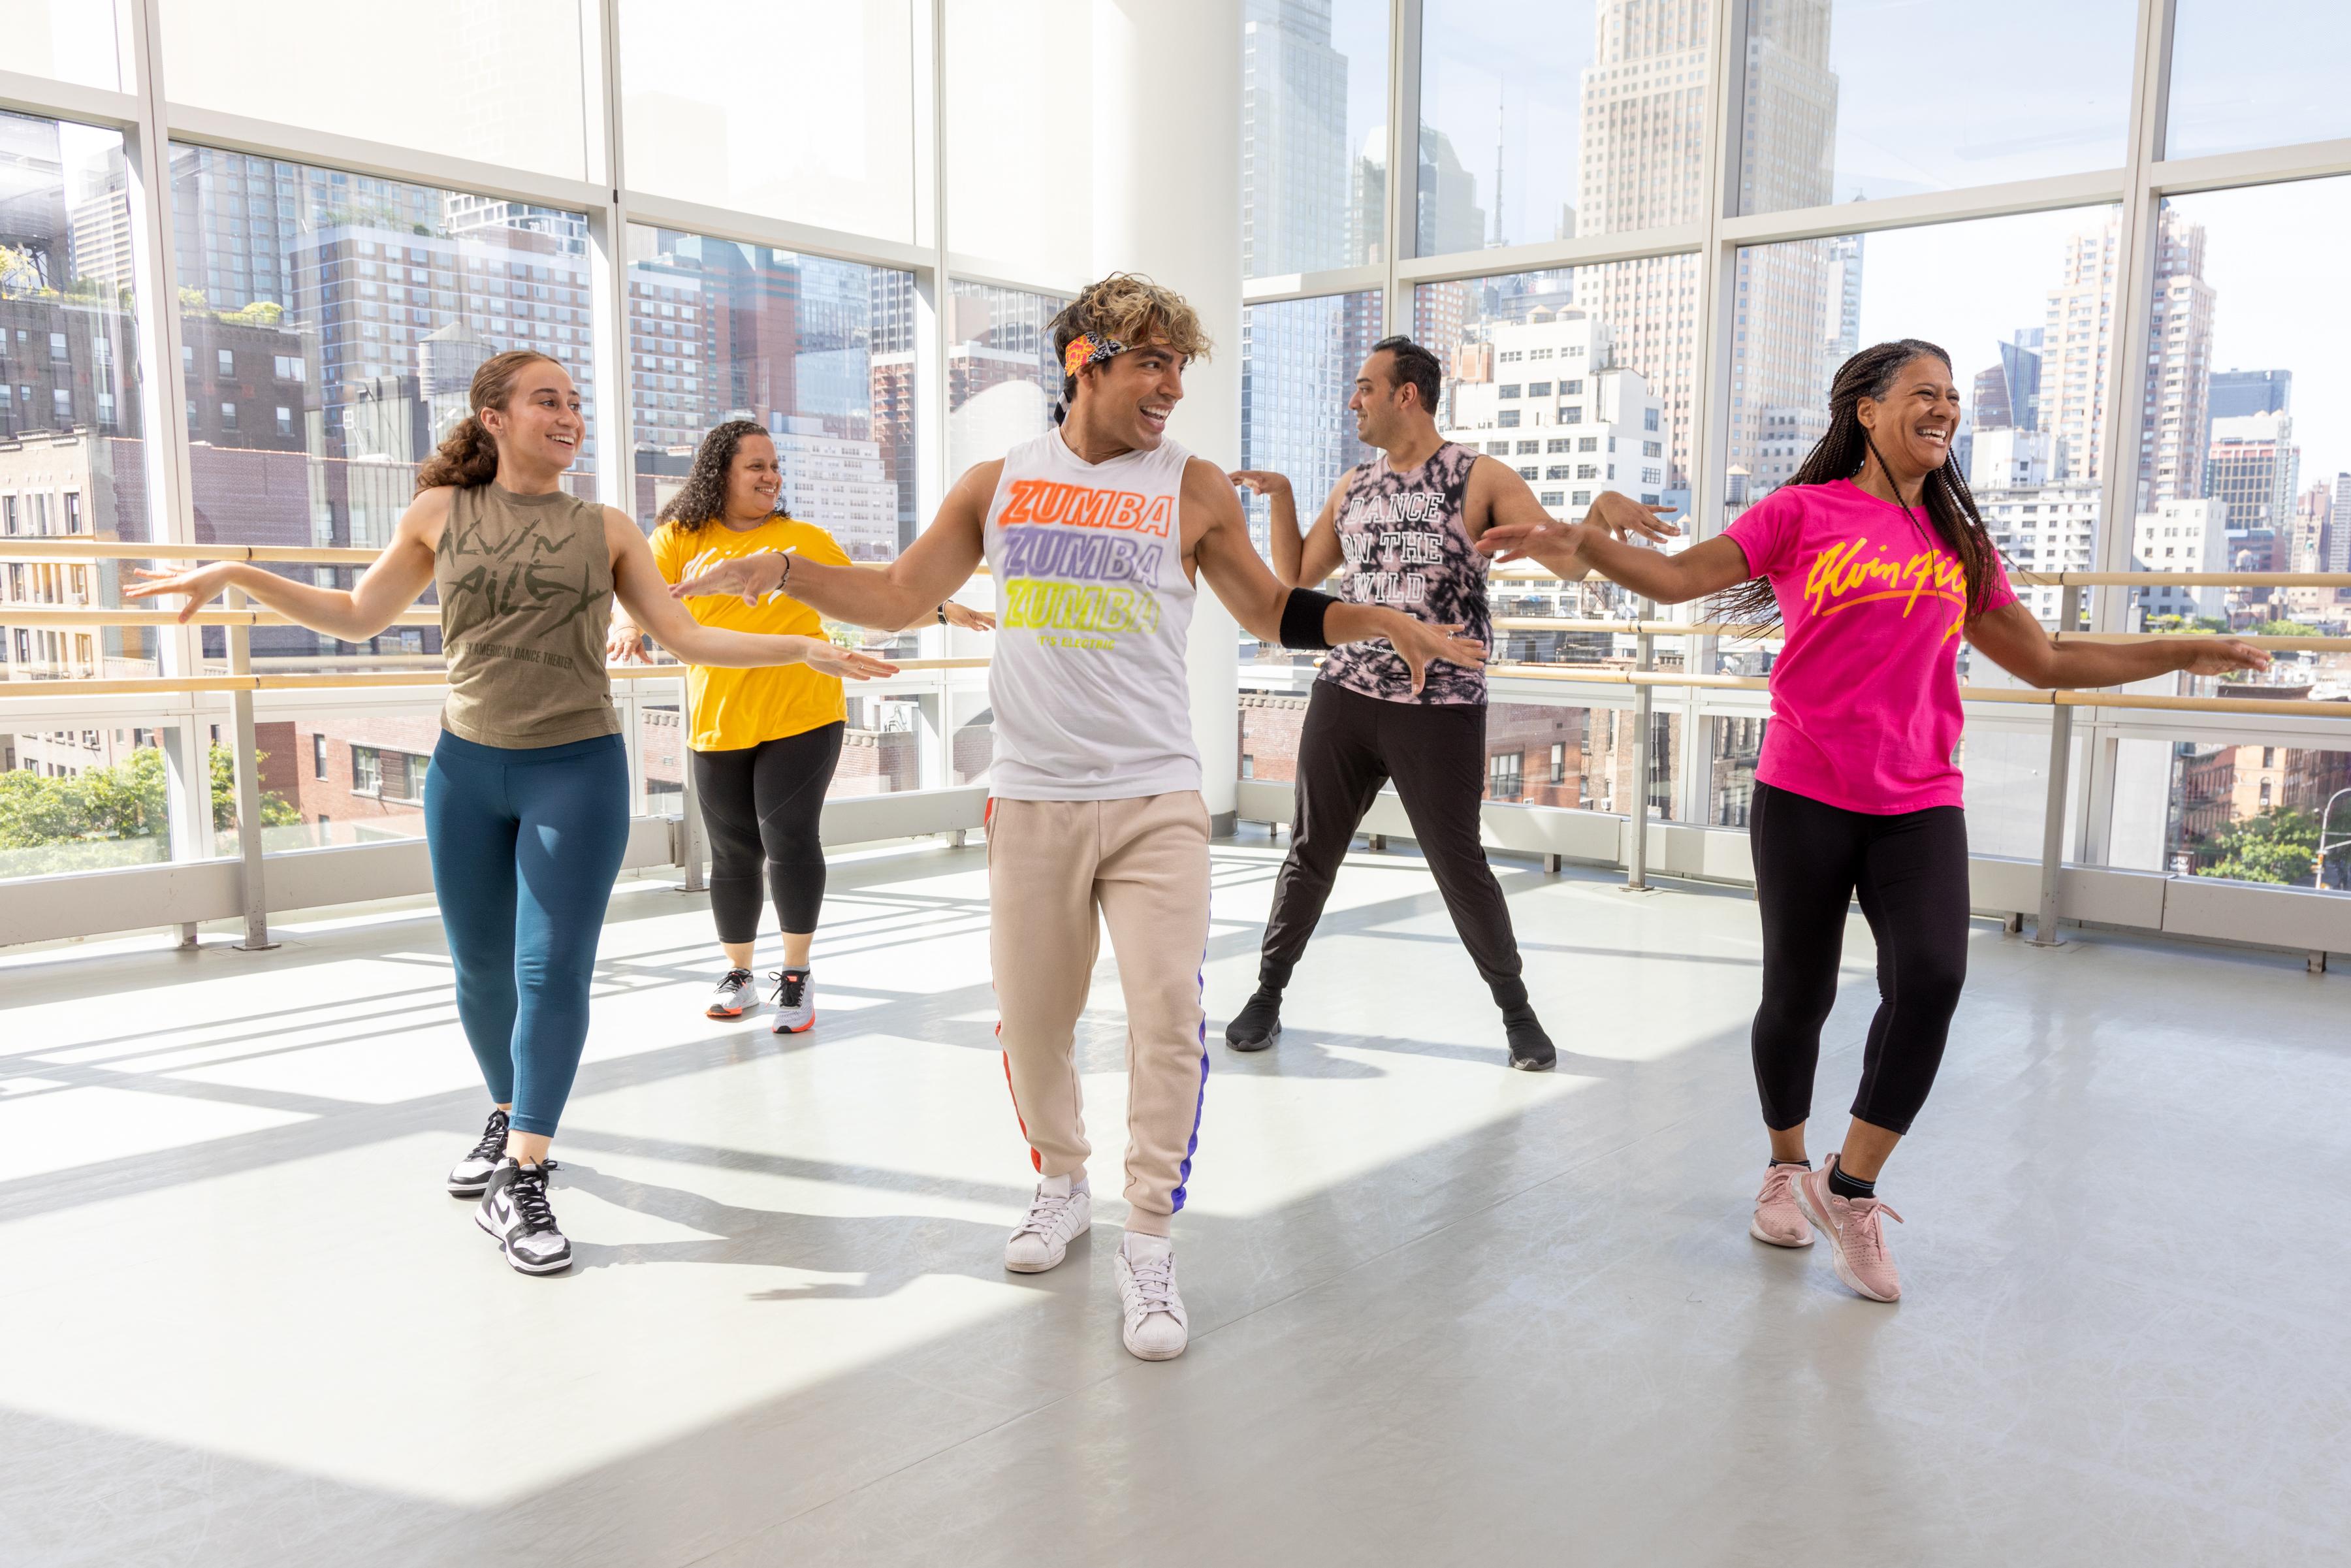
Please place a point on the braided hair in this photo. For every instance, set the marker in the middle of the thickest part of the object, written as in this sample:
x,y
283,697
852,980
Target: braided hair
x,y
1845,452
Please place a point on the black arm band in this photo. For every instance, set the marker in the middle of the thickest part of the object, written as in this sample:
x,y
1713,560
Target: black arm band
x,y
1301,618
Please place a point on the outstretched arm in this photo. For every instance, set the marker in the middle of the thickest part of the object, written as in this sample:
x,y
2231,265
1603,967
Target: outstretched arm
x,y
1231,567
2013,639
1298,562
389,585
1570,550
637,584
907,591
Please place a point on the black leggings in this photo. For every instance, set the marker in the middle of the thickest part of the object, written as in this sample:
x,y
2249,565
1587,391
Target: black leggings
x,y
762,804
1435,752
1911,872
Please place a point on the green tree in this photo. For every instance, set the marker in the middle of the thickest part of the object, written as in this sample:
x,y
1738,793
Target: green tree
x,y
125,802
2277,846
2286,629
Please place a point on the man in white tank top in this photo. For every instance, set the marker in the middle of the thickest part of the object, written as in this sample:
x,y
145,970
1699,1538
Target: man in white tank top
x,y
1099,533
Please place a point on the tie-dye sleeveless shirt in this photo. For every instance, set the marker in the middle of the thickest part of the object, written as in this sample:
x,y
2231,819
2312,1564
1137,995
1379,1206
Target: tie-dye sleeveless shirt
x,y
1407,548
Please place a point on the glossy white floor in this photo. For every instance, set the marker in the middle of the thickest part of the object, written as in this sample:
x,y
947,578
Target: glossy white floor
x,y
1442,1313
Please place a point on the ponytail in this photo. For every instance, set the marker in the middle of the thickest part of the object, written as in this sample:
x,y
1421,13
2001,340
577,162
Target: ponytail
x,y
468,454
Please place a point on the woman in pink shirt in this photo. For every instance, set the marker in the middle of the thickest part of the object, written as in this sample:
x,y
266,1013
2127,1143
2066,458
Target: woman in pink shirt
x,y
1874,561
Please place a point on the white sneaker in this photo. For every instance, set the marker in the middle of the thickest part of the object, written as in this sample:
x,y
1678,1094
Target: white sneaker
x,y
1062,1212
1156,1328
795,1001
734,993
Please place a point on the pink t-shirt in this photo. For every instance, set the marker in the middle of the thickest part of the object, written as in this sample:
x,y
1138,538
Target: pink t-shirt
x,y
1866,693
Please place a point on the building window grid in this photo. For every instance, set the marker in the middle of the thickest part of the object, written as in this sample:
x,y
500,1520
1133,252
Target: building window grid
x,y
1724,78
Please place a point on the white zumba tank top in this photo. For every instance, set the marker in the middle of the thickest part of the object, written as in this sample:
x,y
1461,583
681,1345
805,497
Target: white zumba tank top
x,y
1088,684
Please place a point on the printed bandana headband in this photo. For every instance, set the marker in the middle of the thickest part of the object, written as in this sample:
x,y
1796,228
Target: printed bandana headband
x,y
1089,348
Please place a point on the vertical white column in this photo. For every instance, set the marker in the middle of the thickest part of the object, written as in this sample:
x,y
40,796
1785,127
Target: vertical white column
x,y
1165,92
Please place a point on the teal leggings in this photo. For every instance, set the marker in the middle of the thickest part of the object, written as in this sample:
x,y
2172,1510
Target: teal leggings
x,y
525,846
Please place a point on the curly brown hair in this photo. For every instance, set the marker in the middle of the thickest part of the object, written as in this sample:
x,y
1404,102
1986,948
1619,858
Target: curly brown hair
x,y
1134,310
1845,451
468,454
702,497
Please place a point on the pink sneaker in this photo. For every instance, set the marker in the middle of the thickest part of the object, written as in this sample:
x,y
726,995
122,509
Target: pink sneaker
x,y
1857,1234
1777,1220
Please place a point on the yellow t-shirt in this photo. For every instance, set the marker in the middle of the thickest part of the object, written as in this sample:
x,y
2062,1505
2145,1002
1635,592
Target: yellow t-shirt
x,y
732,709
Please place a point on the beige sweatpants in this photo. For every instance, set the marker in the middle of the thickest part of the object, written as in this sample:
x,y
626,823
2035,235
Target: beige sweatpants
x,y
1056,871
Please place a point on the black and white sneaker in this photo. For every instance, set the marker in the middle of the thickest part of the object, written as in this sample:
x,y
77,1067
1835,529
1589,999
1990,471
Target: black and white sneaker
x,y
471,1175
515,1212
734,993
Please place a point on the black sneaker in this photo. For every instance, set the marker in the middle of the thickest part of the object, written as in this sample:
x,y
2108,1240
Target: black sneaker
x,y
1530,1047
515,1210
1259,1024
471,1175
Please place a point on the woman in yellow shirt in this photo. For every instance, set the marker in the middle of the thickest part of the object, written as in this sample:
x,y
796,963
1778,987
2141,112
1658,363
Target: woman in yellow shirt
x,y
763,742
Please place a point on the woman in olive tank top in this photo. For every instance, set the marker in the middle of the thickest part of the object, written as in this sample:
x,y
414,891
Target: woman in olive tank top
x,y
527,802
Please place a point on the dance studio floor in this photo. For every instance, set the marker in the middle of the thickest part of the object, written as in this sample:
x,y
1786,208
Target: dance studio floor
x,y
1441,1312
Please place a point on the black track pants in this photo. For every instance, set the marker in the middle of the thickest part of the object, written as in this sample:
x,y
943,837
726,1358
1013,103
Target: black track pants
x,y
1436,755
1910,871
762,804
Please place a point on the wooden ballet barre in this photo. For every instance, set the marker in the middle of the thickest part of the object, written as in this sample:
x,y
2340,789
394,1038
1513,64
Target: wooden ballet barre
x,y
50,548
13,614
2181,578
155,686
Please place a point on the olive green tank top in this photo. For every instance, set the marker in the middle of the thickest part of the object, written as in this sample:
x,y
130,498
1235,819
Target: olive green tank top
x,y
525,586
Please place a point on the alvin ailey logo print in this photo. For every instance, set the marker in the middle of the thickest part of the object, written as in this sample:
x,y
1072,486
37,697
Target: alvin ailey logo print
x,y
1079,563
1840,579
506,574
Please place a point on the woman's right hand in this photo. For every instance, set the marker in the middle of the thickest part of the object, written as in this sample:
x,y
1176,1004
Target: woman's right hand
x,y
1553,544
202,584
624,645
847,662
749,578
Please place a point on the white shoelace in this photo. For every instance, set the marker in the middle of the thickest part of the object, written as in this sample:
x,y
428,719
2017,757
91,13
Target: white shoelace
x,y
1045,1214
1155,1283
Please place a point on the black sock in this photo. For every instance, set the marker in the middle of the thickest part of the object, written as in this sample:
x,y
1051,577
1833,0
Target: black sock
x,y
1850,1187
1806,1164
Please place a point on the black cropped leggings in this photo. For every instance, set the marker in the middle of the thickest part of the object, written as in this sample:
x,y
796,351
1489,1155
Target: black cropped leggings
x,y
1910,871
762,804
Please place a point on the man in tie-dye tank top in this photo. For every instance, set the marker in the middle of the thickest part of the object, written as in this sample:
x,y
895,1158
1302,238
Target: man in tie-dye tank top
x,y
1400,531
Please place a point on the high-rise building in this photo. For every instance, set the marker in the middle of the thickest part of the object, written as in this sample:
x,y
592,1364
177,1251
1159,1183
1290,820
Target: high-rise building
x,y
2254,464
1298,369
1294,172
2007,393
1447,215
2179,366
2338,552
2041,528
1542,393
1305,206
2313,510
2236,393
1643,129
2078,345
2006,458
1843,340
2181,537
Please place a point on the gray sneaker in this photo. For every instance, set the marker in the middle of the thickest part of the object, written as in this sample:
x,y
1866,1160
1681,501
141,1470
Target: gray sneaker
x,y
734,994
795,1001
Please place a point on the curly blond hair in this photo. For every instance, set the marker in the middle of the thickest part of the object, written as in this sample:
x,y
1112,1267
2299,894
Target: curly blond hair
x,y
1134,310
